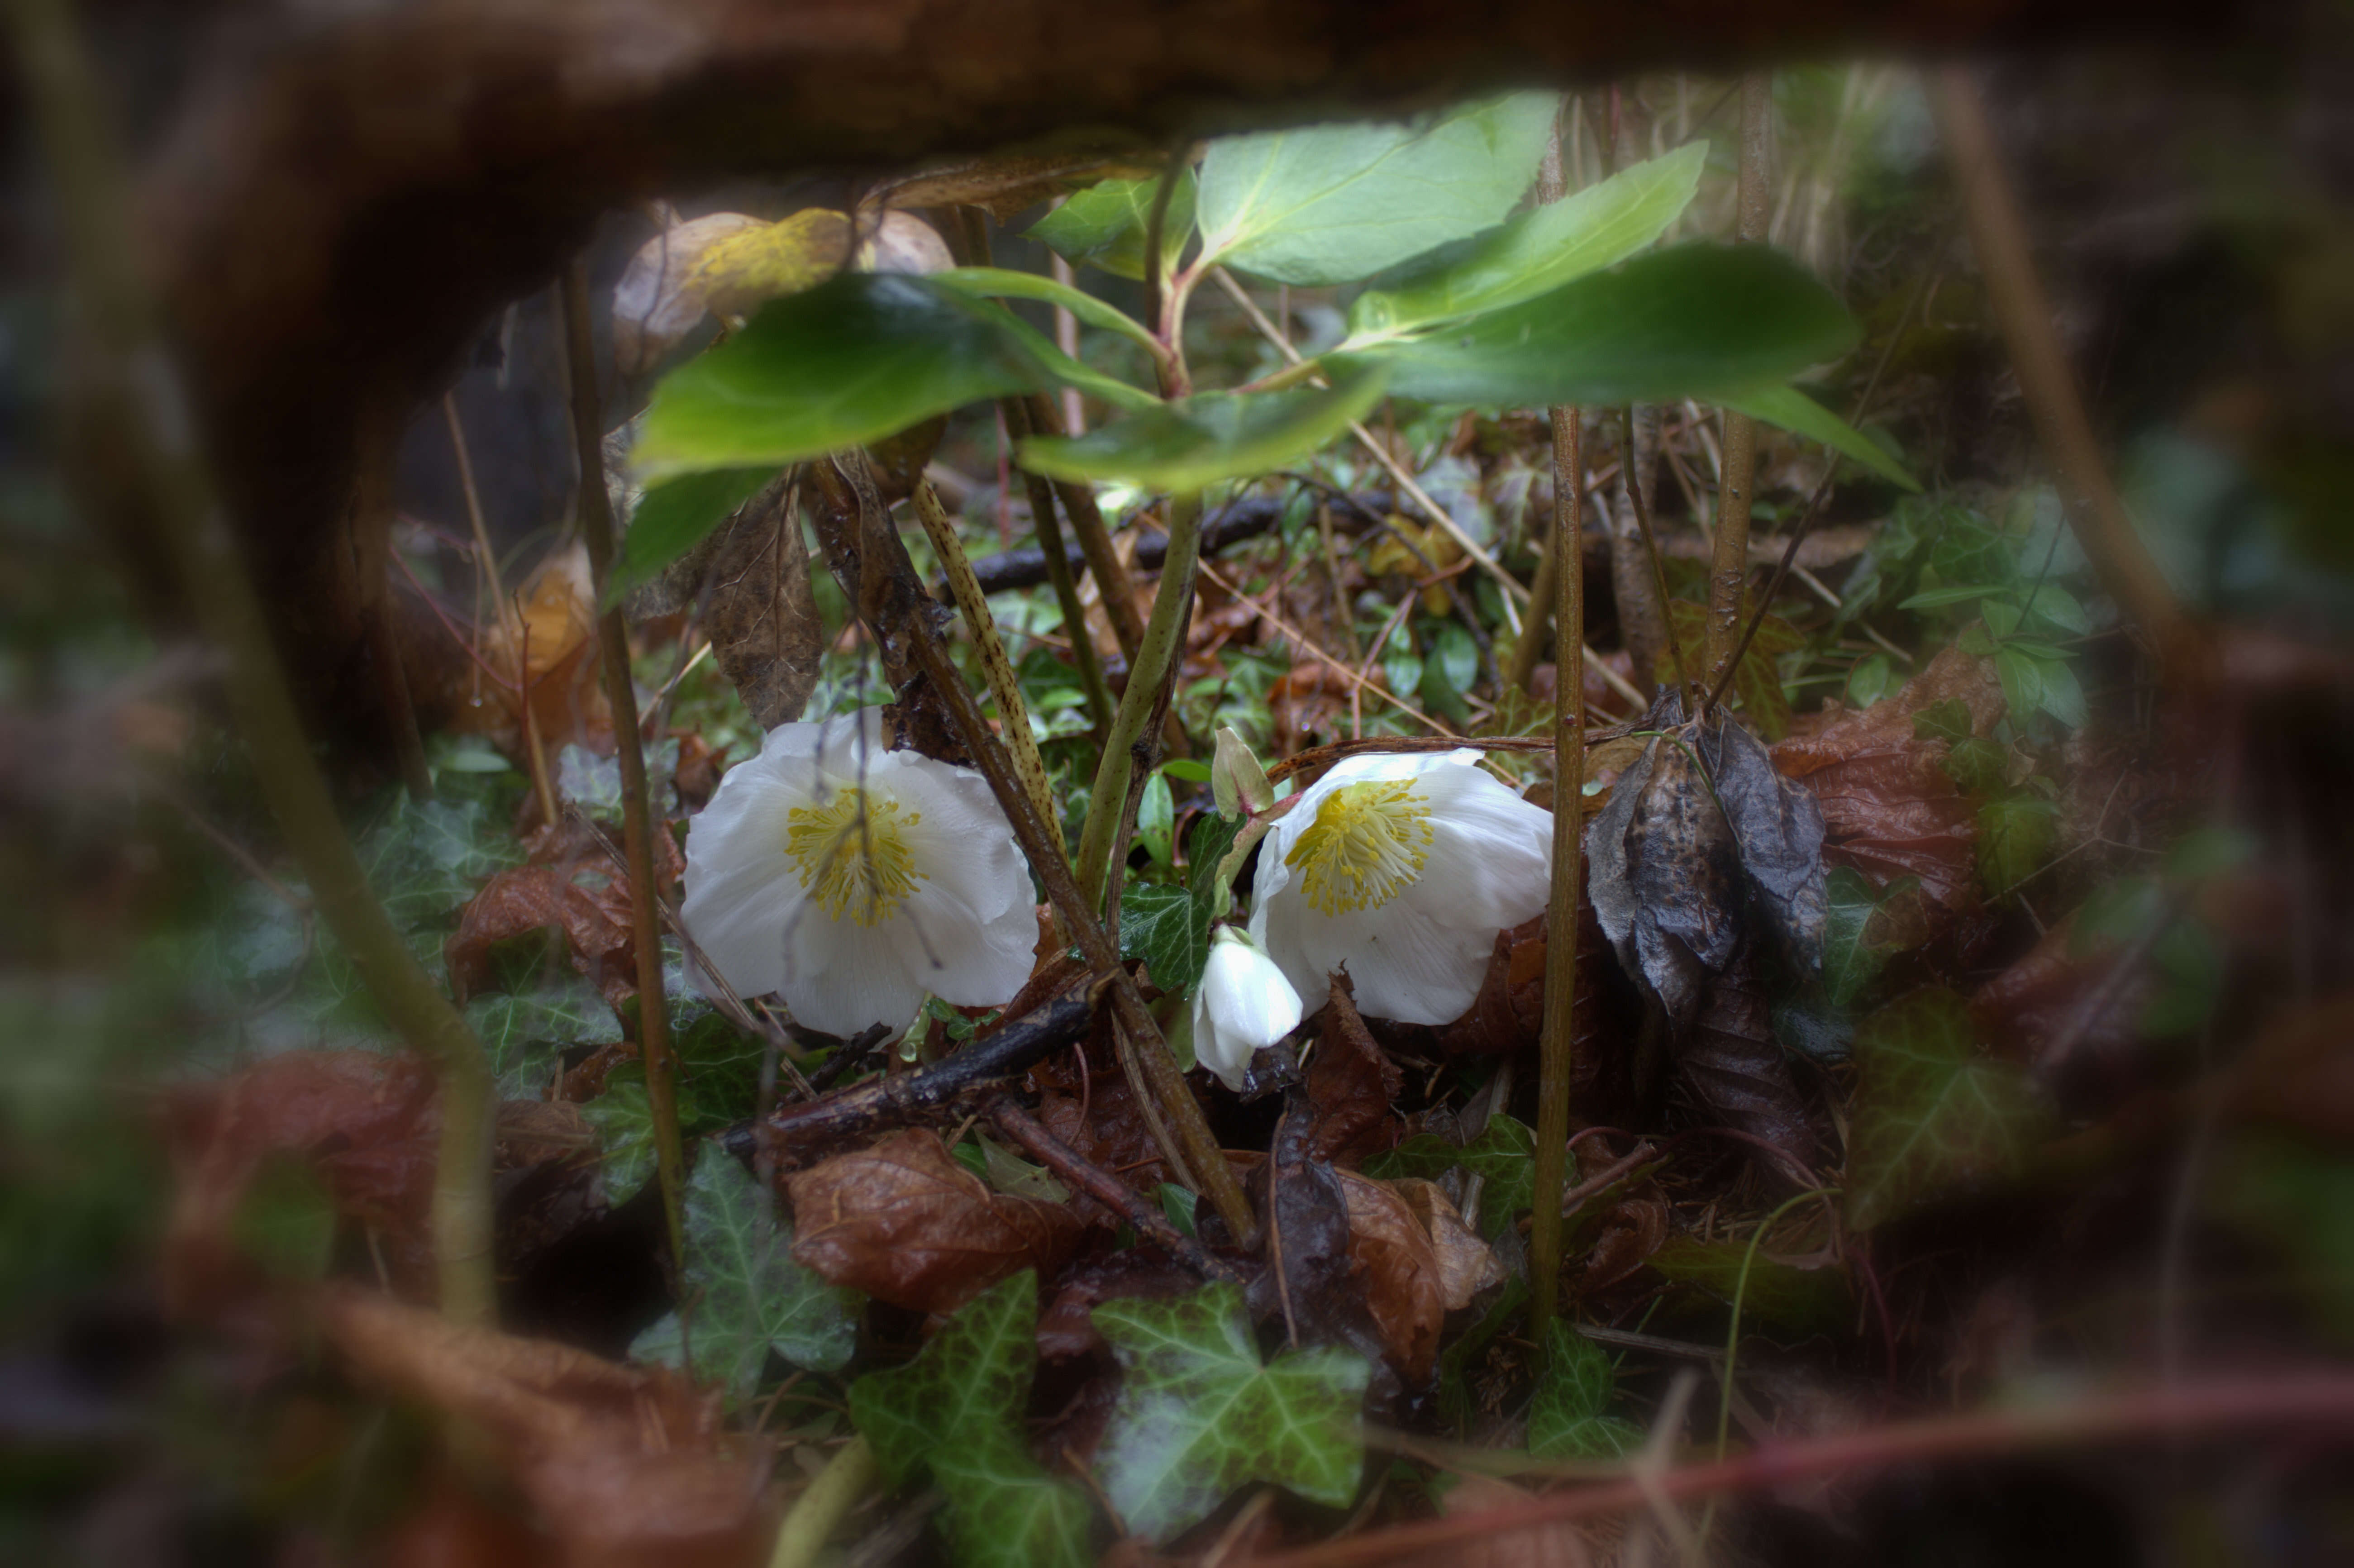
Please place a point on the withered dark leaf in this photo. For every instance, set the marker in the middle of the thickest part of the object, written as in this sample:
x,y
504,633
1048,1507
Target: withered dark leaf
x,y
1777,828
1734,1068
907,1223
586,900
1352,1085
759,610
625,1466
1402,1285
1005,184
1666,878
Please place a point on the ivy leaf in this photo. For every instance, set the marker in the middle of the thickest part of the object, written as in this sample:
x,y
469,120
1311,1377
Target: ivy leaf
x,y
965,1392
1793,410
1948,720
623,1121
1706,321
676,515
1331,204
1190,443
1851,959
1005,1511
1931,1114
526,1035
2022,682
750,1295
1105,225
850,361
1205,854
1198,1415
1169,929
1566,1419
1503,1156
1539,250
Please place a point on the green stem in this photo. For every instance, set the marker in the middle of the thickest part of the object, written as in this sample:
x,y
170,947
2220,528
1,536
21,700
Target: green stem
x,y
823,1504
636,818
133,394
1058,573
1155,657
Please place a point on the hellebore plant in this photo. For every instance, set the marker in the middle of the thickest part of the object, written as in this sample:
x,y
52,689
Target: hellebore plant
x,y
1244,1006
851,879
1400,869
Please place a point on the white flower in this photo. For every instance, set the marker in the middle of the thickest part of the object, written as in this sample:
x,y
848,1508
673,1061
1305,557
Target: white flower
x,y
1243,1005
852,880
1402,867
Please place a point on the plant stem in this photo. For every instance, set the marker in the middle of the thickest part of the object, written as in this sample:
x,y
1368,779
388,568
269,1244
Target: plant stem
x,y
1058,573
132,389
1729,571
1557,1052
2322,1397
510,617
636,818
1012,712
882,556
823,1504
2023,315
1155,658
1113,584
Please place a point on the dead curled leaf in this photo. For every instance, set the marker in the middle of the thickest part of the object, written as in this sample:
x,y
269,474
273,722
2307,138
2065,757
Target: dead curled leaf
x,y
1352,1084
1419,1261
1889,809
623,1466
583,901
904,1221
759,610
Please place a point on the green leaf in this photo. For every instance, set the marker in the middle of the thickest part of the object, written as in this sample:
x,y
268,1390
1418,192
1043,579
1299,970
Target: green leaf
x,y
1851,960
1335,203
1931,1114
1503,1156
2299,1199
1211,436
1962,593
2014,840
1206,851
1105,226
1156,819
1455,1395
1169,929
1803,1300
1198,1415
1539,250
1566,1419
1869,681
674,517
1792,410
966,1390
1947,720
2022,682
749,1294
1697,321
998,281
285,1220
1977,766
2063,698
2059,610
1005,1511
854,360
526,1034
623,1122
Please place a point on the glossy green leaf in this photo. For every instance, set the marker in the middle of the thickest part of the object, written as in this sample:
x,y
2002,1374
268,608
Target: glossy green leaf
x,y
1156,819
1802,1300
1331,204
1194,442
1697,321
1205,853
1005,1511
999,282
623,1121
854,360
676,517
1788,408
966,1390
1105,226
1931,1113
749,1296
2022,682
1853,958
1566,1419
527,1033
2015,837
1199,1415
1169,929
1539,250
1503,1156
2063,697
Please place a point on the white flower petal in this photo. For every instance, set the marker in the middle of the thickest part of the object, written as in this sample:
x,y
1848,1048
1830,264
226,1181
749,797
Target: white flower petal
x,y
1244,1006
843,980
1492,862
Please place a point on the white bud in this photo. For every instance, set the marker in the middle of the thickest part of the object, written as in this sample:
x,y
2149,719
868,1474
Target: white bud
x,y
1244,1006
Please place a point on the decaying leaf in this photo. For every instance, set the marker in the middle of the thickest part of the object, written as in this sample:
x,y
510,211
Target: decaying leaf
x,y
1418,1262
1890,806
622,1465
588,899
552,639
654,305
1777,832
907,1224
1005,184
1733,1066
1352,1085
759,610
1313,1283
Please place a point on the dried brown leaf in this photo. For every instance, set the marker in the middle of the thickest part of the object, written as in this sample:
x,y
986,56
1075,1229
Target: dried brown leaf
x,y
583,899
1005,185
1352,1085
904,1221
759,609
1402,1284
623,1465
1466,1265
654,306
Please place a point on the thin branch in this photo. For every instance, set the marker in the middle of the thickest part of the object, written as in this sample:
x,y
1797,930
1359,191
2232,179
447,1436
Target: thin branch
x,y
1730,570
638,827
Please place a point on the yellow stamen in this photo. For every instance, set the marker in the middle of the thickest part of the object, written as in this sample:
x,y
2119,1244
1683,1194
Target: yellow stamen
x,y
1367,845
852,855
